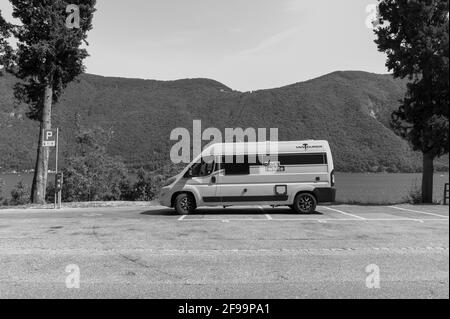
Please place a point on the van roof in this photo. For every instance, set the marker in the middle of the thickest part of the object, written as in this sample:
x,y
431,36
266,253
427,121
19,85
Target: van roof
x,y
305,146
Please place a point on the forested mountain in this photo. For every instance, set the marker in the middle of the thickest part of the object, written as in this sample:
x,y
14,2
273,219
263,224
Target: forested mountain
x,y
350,109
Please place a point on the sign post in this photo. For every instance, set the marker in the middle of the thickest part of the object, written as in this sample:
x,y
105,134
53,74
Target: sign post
x,y
51,139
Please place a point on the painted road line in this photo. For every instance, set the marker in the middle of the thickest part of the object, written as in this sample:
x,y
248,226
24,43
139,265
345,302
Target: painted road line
x,y
182,218
268,217
419,212
224,220
344,213
316,220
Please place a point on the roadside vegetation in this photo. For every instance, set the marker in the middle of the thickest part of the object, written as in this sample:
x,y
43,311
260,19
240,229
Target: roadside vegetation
x,y
91,175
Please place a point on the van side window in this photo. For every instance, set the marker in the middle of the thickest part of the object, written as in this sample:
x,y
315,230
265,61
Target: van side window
x,y
205,168
303,159
240,165
236,165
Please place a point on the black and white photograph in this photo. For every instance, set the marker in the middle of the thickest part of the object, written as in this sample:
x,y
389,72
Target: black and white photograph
x,y
224,156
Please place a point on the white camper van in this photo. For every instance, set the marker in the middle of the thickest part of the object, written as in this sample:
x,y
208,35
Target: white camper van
x,y
297,174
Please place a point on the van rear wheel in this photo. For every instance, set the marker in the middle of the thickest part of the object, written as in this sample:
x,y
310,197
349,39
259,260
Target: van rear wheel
x,y
185,204
305,203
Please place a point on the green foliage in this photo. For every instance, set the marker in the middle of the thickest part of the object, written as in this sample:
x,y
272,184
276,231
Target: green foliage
x,y
415,36
350,109
5,49
94,177
1,190
91,174
48,53
414,195
20,195
147,186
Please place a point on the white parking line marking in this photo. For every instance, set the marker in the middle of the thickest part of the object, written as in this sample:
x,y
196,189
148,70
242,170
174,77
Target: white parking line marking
x,y
419,212
182,218
268,217
339,211
317,220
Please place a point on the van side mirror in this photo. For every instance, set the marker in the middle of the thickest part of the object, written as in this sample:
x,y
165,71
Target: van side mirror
x,y
213,180
188,173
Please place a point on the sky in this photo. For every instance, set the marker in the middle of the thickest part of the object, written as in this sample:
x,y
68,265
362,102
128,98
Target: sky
x,y
244,44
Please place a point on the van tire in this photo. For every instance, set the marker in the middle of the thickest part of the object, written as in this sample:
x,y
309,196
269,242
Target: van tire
x,y
305,203
185,204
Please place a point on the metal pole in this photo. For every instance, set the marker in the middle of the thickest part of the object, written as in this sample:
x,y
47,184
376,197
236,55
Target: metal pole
x,y
60,192
59,200
56,169
57,153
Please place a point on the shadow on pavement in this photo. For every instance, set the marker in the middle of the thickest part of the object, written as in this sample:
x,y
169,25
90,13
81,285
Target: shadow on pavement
x,y
160,212
228,211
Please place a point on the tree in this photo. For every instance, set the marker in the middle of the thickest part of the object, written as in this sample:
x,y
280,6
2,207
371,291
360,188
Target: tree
x,y
90,173
414,35
48,57
5,48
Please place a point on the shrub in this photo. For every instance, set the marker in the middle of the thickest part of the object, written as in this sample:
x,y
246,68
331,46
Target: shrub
x,y
94,177
1,191
147,186
90,173
414,195
20,195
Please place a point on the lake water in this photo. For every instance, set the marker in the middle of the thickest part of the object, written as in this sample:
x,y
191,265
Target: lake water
x,y
362,188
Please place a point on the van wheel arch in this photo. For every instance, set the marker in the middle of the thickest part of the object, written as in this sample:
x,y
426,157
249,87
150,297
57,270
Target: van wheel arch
x,y
175,195
305,202
306,192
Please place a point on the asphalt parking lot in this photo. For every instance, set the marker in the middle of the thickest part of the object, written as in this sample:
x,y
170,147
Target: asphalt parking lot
x,y
260,252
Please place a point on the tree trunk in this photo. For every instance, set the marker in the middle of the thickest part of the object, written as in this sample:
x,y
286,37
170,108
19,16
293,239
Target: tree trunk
x,y
427,179
39,187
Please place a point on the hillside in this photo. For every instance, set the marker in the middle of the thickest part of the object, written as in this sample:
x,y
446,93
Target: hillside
x,y
350,109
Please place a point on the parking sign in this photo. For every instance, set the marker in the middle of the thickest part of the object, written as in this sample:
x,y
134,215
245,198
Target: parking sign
x,y
49,138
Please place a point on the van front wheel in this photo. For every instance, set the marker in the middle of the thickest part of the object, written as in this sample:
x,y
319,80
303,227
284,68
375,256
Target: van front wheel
x,y
305,203
185,204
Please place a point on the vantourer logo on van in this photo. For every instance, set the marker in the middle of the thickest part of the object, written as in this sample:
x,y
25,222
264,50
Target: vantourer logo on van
x,y
307,146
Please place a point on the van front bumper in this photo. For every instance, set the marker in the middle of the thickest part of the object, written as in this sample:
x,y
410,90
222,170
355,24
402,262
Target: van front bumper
x,y
326,195
165,198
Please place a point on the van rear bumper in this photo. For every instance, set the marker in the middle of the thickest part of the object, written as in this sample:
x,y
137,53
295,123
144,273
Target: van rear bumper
x,y
326,195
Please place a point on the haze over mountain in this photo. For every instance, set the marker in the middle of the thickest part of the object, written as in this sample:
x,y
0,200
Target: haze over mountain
x,y
350,109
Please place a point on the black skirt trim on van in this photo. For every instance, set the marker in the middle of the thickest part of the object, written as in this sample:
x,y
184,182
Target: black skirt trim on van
x,y
243,199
